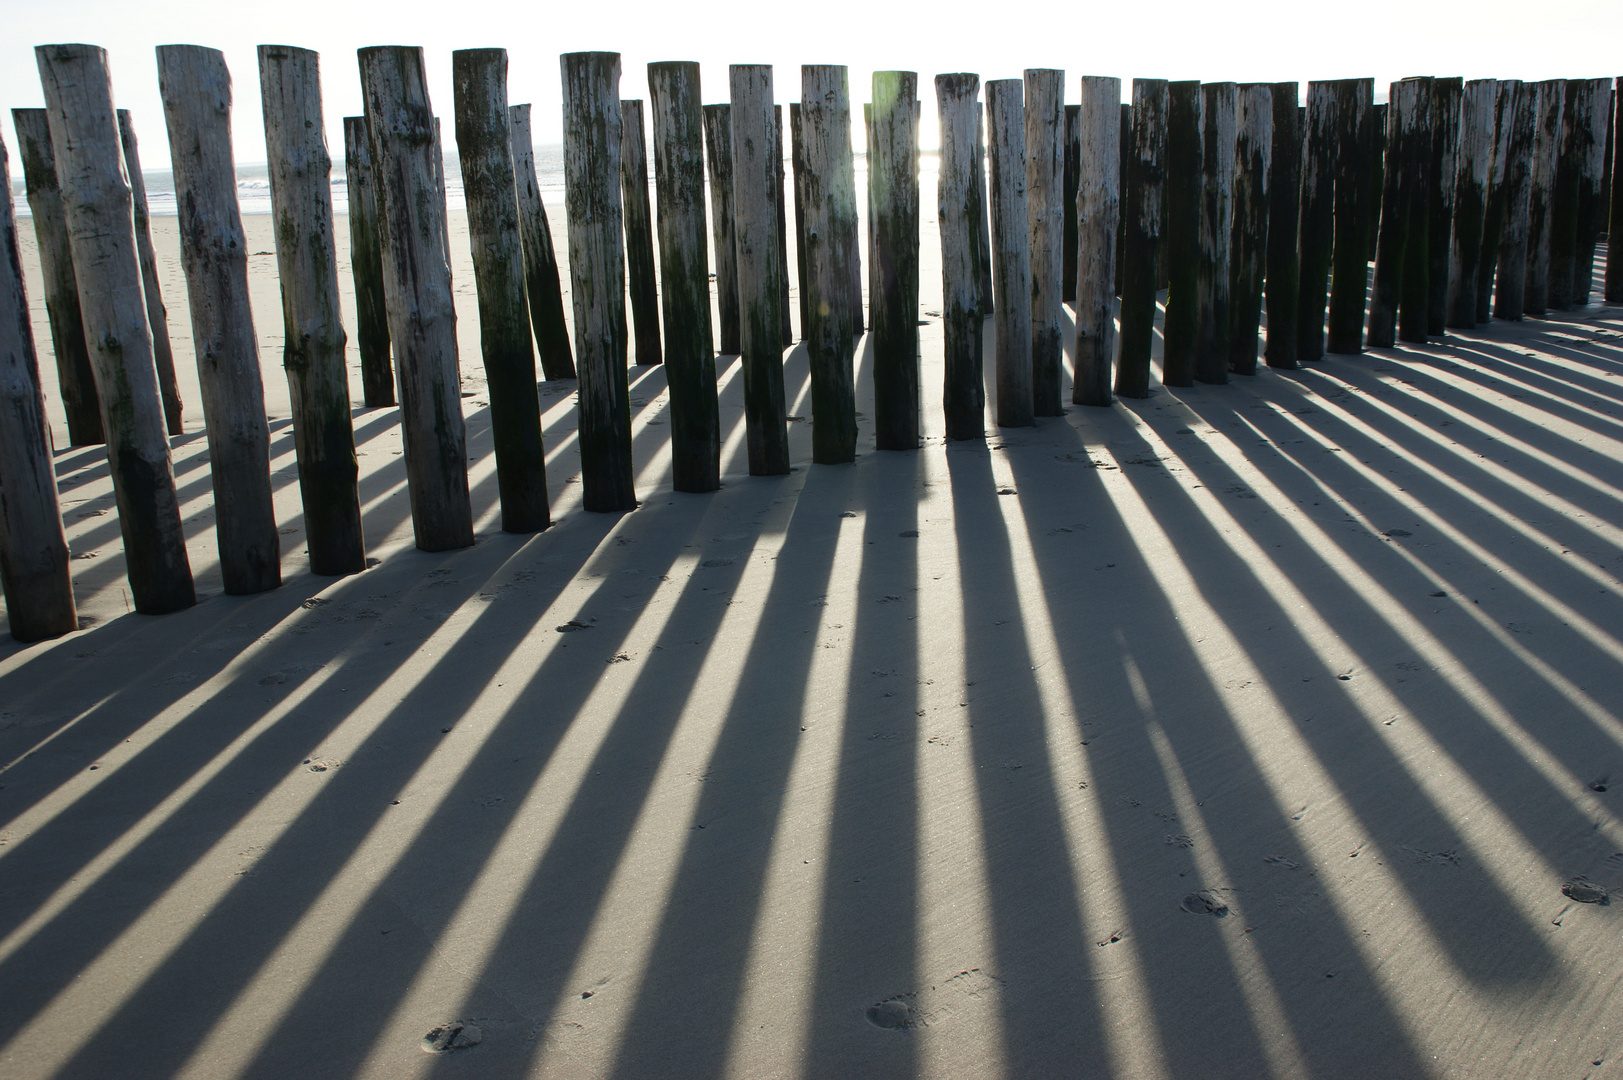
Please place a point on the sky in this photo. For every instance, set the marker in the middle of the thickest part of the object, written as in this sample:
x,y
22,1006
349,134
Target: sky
x,y
1214,40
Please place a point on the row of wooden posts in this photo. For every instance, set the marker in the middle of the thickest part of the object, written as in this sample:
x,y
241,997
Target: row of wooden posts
x,y
1229,195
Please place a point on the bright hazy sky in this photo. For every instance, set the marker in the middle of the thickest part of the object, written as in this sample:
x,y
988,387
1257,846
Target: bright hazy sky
x,y
1240,40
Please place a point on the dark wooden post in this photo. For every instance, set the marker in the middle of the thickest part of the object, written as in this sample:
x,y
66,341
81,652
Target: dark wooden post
x,y
1473,163
312,326
196,89
1219,103
73,375
1141,227
1011,251
598,277
1404,113
1349,275
1445,130
417,292
1284,210
1414,300
1591,185
1375,159
1073,160
684,260
1098,213
163,354
868,197
1614,237
1563,217
639,234
1510,285
718,140
1547,121
1045,224
33,550
979,178
1493,215
101,230
366,267
1254,133
1316,224
958,214
484,146
893,169
1182,246
541,283
783,229
1123,150
797,159
829,196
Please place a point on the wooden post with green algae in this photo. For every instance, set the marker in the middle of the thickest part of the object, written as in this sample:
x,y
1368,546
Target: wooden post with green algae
x,y
1011,251
958,215
639,234
541,283
718,141
893,304
366,267
1045,217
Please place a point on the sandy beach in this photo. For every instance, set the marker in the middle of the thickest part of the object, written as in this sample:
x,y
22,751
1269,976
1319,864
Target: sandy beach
x,y
1251,730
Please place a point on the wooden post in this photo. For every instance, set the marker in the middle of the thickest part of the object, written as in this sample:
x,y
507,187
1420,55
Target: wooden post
x,y
541,283
796,160
893,169
313,328
196,90
1563,217
978,176
1445,105
1510,285
163,354
101,231
1349,273
1473,163
1614,237
1219,103
829,196
1141,226
1045,222
1374,172
783,229
417,290
1183,196
73,375
958,215
597,273
1404,115
1280,287
755,233
718,140
1254,133
1414,300
639,234
33,550
853,253
684,262
1123,151
484,146
1591,184
1011,251
1098,214
1316,224
366,267
1493,215
1073,162
868,172
1547,121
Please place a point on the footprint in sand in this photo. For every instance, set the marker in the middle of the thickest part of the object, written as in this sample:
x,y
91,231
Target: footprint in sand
x,y
1204,903
454,1036
1585,891
892,1015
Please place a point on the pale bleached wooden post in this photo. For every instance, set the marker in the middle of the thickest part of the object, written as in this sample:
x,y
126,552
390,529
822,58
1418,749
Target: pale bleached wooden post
x,y
1445,130
1098,216
33,549
639,234
1182,245
718,143
1315,237
1563,219
597,274
300,170
1073,162
163,354
1548,112
684,261
1414,298
1613,290
1493,214
1284,210
484,146
1591,187
797,165
541,283
1510,284
979,177
1473,164
1011,251
828,193
1400,175
1045,217
1219,109
755,235
783,229
101,230
366,267
1254,133
893,171
958,216
1349,266
74,378
196,90
417,290
1142,226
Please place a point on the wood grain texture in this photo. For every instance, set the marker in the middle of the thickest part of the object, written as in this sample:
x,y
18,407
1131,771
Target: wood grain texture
x,y
1445,131
1414,299
1011,251
718,142
1220,106
1284,213
1349,262
958,217
1143,228
760,293
366,267
1045,222
1510,285
542,285
1406,132
1472,169
1098,218
1253,145
163,354
1549,106
893,169
1493,214
1315,230
1182,245
639,235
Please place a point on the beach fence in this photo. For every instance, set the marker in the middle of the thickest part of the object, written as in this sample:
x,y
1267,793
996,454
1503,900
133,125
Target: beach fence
x,y
1473,200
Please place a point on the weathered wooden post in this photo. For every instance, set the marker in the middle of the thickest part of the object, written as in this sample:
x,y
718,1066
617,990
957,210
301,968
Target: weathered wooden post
x,y
639,234
783,229
1403,139
1073,161
684,261
1123,151
868,194
313,329
1493,214
893,169
1316,224
1218,109
597,273
718,141
1613,293
1045,223
1183,195
1098,214
1445,131
541,283
33,550
163,354
479,86
1254,133
829,196
1591,184
1284,209
1510,285
958,214
1349,272
1473,163
979,177
1141,227
73,375
1414,299
1377,169
101,229
417,289
1548,111
366,267
196,90
1563,219
797,159
1011,251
